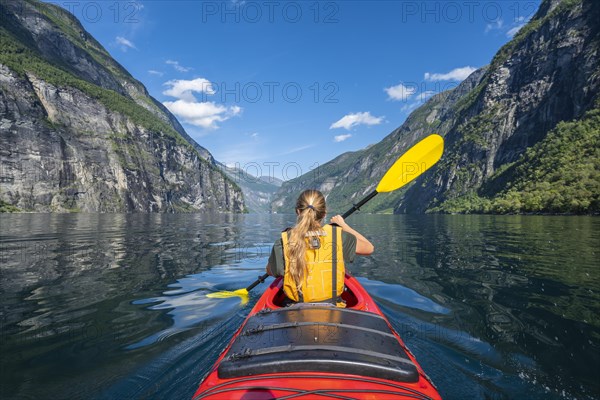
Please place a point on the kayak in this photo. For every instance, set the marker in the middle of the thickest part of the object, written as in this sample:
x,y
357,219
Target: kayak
x,y
316,350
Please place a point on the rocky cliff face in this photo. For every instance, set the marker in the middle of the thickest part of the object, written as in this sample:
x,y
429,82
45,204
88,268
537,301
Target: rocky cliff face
x,y
78,133
547,74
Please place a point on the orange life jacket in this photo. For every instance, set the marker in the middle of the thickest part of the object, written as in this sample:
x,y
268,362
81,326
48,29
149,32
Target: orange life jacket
x,y
324,265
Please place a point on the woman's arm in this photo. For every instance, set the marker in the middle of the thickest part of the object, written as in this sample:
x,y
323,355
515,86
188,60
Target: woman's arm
x,y
363,246
275,264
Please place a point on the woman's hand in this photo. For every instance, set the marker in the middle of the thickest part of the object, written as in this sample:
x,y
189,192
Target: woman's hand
x,y
338,220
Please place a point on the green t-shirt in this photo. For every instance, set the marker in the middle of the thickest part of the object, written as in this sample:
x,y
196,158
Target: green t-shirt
x,y
277,264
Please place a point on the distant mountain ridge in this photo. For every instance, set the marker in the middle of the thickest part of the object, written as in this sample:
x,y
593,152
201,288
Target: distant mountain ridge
x,y
258,191
79,133
502,128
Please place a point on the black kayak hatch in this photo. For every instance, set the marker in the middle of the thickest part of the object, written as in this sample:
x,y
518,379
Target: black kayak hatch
x,y
318,338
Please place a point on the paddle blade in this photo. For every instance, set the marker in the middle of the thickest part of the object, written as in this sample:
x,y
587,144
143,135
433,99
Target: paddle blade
x,y
241,293
412,164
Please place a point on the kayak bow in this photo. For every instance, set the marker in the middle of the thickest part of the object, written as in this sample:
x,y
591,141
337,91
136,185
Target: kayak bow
x,y
316,350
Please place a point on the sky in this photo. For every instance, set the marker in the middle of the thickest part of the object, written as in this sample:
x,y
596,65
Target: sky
x,y
279,88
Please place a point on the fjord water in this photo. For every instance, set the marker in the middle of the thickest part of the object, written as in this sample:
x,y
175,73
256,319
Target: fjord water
x,y
114,306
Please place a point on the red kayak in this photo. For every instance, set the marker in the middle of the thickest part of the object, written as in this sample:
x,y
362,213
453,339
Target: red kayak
x,y
315,350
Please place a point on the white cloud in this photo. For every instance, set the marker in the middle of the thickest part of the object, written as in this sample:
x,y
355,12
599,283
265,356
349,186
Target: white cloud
x,y
185,90
202,114
400,92
418,101
154,72
496,25
254,135
351,120
457,74
512,32
124,43
297,149
179,67
341,138
408,108
205,114
509,29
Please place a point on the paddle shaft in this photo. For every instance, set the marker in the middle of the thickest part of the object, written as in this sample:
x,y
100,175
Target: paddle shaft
x,y
351,211
358,205
260,280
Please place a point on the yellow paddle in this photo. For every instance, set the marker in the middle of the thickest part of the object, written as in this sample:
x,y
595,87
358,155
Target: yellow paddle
x,y
407,168
243,293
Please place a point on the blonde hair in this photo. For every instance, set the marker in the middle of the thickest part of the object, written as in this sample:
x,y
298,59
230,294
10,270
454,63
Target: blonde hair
x,y
311,210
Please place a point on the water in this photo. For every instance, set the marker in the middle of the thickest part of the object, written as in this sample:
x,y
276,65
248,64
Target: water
x,y
114,306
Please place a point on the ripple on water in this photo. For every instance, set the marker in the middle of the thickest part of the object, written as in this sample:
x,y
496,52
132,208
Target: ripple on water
x,y
401,296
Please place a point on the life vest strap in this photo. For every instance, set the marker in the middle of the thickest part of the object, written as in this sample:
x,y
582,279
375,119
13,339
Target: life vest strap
x,y
334,265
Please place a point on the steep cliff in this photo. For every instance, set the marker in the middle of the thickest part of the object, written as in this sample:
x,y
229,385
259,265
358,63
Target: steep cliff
x,y
550,72
79,133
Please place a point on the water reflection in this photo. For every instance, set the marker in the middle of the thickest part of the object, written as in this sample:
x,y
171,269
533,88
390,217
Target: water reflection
x,y
70,285
114,306
187,304
402,296
526,285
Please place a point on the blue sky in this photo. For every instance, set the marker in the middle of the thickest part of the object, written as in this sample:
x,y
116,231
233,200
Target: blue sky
x,y
281,87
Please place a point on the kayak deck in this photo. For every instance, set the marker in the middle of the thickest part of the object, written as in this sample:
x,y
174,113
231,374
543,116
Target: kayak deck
x,y
308,351
343,341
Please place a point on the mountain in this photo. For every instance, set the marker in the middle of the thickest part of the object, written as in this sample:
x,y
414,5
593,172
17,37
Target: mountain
x,y
521,133
258,191
271,180
79,133
351,176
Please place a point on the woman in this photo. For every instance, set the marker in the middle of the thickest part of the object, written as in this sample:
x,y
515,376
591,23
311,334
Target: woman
x,y
311,257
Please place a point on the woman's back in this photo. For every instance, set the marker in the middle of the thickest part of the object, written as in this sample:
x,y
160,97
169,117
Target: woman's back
x,y
311,257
